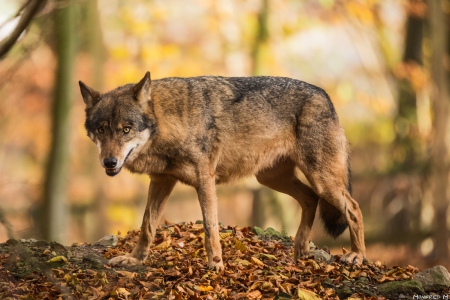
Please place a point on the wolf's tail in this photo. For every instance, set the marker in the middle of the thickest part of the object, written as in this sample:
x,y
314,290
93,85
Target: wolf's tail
x,y
333,220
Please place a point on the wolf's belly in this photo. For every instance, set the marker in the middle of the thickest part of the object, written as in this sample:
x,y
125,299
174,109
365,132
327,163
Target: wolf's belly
x,y
239,162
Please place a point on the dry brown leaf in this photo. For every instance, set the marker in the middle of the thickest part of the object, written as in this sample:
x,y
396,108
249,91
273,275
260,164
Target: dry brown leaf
x,y
167,222
197,226
304,294
313,263
258,262
329,268
254,295
164,245
243,262
127,274
121,292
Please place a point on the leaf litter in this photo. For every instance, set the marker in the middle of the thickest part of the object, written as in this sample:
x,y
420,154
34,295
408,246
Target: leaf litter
x,y
257,266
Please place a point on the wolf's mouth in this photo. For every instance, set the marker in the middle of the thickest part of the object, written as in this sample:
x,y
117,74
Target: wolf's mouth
x,y
114,171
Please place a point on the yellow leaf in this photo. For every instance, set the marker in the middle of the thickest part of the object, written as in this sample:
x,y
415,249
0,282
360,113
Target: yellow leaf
x,y
204,288
225,234
267,285
304,294
257,261
243,262
58,259
164,245
240,246
313,263
269,256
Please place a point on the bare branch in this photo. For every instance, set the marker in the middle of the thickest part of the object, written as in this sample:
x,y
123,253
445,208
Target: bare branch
x,y
32,8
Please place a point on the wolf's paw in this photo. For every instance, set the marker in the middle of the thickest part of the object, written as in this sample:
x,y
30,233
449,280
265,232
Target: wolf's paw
x,y
216,264
351,257
124,260
301,253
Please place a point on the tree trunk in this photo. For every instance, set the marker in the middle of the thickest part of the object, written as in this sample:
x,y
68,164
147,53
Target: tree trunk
x,y
259,204
439,159
97,52
262,36
406,134
54,212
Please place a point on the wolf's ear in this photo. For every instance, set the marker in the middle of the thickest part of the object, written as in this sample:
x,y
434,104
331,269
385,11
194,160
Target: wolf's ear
x,y
90,96
142,90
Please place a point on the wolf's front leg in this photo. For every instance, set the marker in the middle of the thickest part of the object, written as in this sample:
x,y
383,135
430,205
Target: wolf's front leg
x,y
159,191
208,202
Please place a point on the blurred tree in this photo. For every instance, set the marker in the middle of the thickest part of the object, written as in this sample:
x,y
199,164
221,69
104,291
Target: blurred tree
x,y
258,217
53,214
263,197
407,133
440,158
6,224
403,202
97,52
262,38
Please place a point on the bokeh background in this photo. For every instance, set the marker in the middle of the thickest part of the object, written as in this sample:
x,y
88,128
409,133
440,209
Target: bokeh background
x,y
384,63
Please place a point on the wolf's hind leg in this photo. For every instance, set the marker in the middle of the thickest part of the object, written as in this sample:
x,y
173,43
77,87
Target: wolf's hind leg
x,y
334,191
159,191
282,178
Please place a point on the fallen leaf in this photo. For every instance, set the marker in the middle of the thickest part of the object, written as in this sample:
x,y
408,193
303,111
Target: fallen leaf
x,y
224,235
329,268
59,258
121,292
203,288
269,256
127,274
164,245
304,294
167,222
258,262
243,262
240,246
254,295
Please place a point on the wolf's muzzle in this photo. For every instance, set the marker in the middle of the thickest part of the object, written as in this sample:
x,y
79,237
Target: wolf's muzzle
x,y
110,162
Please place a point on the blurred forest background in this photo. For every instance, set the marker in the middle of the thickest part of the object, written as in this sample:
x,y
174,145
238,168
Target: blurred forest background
x,y
384,63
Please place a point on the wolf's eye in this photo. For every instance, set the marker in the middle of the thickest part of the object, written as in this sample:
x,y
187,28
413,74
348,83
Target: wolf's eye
x,y
100,130
126,129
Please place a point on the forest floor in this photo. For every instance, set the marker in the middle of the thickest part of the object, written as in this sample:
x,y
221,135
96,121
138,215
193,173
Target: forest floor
x,y
258,265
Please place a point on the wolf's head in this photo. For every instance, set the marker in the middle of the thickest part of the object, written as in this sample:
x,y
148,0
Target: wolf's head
x,y
119,122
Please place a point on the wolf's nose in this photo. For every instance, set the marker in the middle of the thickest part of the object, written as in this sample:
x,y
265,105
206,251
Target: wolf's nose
x,y
110,162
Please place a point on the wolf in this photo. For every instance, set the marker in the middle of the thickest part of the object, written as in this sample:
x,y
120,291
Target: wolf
x,y
207,130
